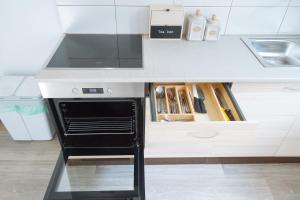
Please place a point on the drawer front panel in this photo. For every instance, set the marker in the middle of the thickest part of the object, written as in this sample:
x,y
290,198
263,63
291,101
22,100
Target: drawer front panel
x,y
265,87
268,104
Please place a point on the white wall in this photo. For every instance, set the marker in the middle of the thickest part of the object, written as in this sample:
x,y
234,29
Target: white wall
x,y
131,16
28,30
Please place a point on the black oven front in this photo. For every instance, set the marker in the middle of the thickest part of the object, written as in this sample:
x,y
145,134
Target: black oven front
x,y
102,148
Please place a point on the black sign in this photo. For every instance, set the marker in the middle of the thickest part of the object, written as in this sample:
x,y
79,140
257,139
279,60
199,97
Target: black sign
x,y
167,32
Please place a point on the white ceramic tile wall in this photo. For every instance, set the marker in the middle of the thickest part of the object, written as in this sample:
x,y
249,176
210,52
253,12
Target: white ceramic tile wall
x,y
132,19
255,20
142,2
291,23
86,2
295,3
260,2
131,16
88,19
203,2
29,29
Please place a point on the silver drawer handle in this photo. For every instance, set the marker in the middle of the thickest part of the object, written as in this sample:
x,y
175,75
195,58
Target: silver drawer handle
x,y
203,135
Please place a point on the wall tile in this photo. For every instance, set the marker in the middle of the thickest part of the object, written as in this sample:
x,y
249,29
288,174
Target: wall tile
x,y
142,2
204,2
295,3
255,20
132,19
85,2
260,2
221,12
88,19
291,23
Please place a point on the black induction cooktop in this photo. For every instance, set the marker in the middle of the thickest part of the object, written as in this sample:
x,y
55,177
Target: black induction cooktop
x,y
98,51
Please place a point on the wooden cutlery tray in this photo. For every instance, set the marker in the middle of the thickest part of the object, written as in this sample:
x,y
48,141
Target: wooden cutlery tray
x,y
175,102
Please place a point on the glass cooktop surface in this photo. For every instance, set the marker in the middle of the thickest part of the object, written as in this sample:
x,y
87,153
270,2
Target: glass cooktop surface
x,y
98,51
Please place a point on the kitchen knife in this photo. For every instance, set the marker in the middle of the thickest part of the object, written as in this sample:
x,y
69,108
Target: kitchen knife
x,y
201,100
198,99
224,105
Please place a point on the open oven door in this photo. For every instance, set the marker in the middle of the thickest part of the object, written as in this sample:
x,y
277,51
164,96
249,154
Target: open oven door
x,y
108,174
102,156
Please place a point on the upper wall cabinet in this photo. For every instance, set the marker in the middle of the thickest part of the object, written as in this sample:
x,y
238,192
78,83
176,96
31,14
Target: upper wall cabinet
x,y
203,2
260,2
295,3
88,19
86,2
142,2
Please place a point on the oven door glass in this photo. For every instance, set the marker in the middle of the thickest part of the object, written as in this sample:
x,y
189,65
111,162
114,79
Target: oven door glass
x,y
97,177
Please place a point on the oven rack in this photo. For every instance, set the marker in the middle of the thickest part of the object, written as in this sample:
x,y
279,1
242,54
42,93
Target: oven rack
x,y
99,125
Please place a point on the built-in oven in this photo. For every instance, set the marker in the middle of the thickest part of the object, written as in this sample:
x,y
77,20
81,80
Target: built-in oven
x,y
101,133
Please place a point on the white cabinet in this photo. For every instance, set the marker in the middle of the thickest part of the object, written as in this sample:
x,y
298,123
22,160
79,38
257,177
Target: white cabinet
x,y
276,107
88,19
86,2
132,20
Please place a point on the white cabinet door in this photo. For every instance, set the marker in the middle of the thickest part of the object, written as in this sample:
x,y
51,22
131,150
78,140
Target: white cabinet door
x,y
132,20
86,2
291,144
275,107
88,19
247,143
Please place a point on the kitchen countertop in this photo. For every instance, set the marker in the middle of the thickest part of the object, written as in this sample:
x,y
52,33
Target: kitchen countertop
x,y
227,60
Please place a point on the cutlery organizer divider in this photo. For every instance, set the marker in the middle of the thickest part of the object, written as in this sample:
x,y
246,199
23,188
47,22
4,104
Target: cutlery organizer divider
x,y
166,102
179,115
172,94
227,100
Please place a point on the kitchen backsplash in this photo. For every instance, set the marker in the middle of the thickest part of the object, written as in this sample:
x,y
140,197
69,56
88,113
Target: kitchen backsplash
x,y
132,16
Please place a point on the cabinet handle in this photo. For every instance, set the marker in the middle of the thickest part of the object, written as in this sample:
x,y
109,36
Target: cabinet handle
x,y
291,89
203,135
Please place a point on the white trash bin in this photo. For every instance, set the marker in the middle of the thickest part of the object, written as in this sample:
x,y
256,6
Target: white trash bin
x,y
9,116
33,110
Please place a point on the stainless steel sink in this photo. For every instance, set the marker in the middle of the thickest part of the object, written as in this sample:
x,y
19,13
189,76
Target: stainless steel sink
x,y
278,52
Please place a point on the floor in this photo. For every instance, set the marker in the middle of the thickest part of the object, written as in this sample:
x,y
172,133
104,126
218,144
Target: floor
x,y
25,169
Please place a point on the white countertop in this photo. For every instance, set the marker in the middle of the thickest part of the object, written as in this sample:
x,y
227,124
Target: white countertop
x,y
227,60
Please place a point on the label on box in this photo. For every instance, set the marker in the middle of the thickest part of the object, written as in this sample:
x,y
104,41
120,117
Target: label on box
x,y
166,32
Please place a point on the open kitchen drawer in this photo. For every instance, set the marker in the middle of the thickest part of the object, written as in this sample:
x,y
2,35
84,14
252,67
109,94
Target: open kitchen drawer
x,y
180,126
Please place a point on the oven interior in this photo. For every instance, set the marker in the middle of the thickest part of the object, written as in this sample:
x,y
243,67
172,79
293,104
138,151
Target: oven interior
x,y
97,122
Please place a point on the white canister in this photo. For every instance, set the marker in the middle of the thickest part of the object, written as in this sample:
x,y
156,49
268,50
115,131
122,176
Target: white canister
x,y
196,26
213,29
